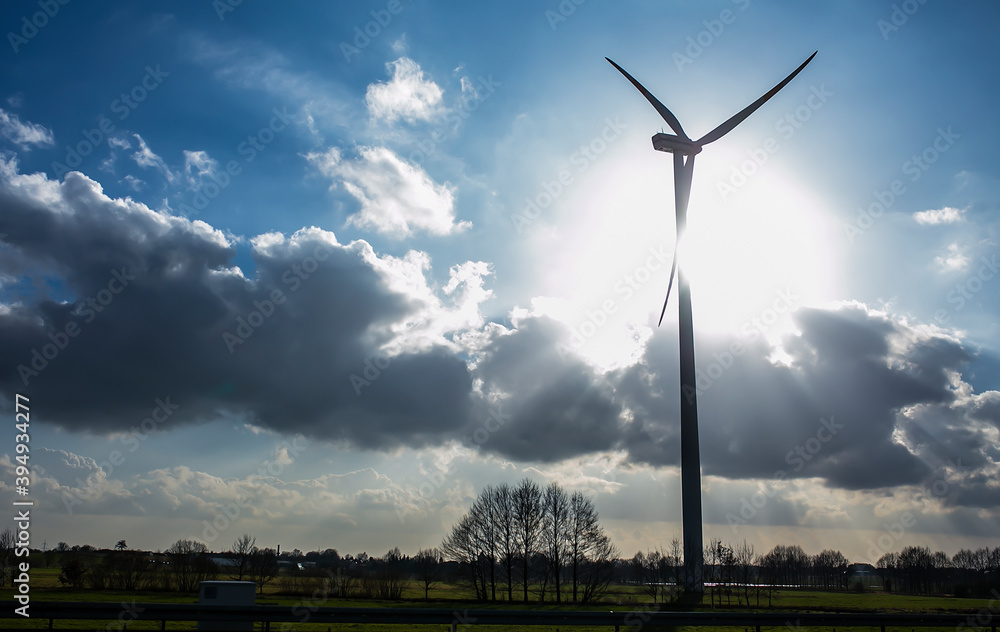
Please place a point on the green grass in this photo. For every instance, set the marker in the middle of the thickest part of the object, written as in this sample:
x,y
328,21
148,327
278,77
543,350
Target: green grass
x,y
45,587
808,600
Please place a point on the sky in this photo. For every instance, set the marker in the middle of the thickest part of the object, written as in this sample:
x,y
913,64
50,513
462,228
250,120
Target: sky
x,y
321,272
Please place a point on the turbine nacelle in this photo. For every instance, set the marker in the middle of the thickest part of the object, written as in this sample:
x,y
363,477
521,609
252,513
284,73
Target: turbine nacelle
x,y
675,145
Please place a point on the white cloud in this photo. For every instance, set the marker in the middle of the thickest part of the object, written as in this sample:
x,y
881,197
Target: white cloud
x,y
115,144
953,261
23,134
136,183
119,143
946,215
399,46
145,157
180,501
397,197
198,165
438,322
407,95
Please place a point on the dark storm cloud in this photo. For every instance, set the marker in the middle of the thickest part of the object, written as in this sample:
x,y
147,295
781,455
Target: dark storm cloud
x,y
987,408
833,410
557,405
829,411
155,314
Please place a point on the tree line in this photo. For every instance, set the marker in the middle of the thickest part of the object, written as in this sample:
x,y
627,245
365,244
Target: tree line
x,y
543,542
734,572
181,567
187,563
917,570
528,543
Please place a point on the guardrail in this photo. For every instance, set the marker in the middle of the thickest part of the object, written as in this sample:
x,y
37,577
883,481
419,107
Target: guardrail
x,y
123,614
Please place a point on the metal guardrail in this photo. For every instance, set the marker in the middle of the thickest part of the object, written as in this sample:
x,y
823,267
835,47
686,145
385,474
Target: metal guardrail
x,y
65,610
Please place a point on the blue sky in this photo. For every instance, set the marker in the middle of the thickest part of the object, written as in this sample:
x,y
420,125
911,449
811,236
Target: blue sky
x,y
339,267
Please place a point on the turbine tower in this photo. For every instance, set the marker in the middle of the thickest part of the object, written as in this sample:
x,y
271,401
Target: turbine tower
x,y
684,150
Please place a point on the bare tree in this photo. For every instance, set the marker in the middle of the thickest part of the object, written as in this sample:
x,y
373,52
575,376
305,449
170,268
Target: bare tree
x,y
584,535
962,563
385,580
242,548
190,564
527,526
711,569
428,568
555,507
73,571
992,561
659,572
727,568
123,570
770,567
465,545
675,562
941,572
6,555
919,569
970,569
597,571
798,563
793,563
344,583
744,559
542,572
646,569
484,515
887,568
831,567
504,519
262,567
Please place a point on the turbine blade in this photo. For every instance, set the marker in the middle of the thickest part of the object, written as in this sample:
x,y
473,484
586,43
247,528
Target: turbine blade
x,y
728,126
666,114
670,284
683,173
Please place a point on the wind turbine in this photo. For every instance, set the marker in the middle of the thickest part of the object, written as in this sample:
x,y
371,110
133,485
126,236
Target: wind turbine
x,y
684,150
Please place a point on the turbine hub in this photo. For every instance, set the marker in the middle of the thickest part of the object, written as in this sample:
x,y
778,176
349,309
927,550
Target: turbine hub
x,y
675,145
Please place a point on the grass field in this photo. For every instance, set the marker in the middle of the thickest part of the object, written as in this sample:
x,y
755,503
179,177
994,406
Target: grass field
x,y
45,587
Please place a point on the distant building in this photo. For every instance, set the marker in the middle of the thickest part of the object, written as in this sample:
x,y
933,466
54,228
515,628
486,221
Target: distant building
x,y
224,562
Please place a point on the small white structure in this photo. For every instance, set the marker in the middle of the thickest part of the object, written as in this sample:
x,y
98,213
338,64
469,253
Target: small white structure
x,y
222,593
